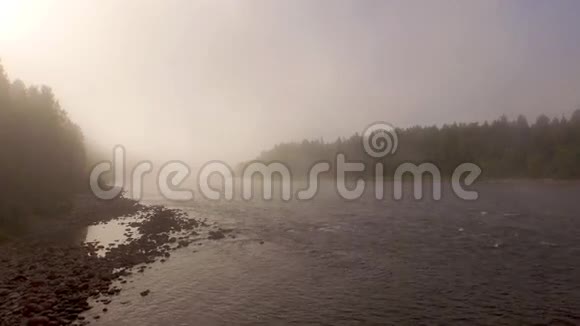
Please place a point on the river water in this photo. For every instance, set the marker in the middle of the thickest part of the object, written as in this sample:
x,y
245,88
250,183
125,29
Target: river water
x,y
510,258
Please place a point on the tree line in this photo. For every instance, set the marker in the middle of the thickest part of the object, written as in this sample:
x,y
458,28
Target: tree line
x,y
43,154
503,148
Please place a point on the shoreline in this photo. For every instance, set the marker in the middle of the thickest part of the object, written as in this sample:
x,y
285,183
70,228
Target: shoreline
x,y
48,280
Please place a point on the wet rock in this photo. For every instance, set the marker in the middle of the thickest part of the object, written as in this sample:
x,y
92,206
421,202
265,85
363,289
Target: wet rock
x,y
38,321
183,243
52,283
216,235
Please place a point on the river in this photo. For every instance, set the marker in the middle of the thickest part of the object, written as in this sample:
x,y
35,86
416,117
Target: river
x,y
510,258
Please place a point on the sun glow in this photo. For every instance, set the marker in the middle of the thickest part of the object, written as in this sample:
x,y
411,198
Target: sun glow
x,y
20,17
10,12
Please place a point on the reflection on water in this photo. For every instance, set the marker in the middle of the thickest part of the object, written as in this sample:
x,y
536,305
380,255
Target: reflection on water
x,y
112,233
509,258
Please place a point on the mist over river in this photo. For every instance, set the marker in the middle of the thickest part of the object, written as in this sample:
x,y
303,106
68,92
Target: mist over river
x,y
510,258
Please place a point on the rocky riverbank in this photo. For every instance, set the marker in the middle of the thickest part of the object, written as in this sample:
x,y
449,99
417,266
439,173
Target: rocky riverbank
x,y
45,280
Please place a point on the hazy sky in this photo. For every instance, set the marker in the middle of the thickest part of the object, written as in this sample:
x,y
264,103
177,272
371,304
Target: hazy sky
x,y
226,79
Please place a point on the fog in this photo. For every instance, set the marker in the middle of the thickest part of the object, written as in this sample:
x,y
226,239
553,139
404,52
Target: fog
x,y
201,80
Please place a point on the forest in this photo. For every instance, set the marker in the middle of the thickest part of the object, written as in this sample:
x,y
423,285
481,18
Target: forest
x,y
503,148
43,154
44,160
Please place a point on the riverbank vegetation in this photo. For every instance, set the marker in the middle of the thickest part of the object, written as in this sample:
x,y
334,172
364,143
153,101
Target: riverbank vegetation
x,y
43,154
504,149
